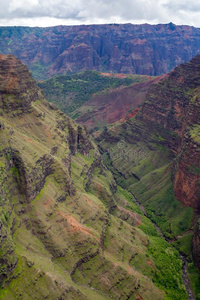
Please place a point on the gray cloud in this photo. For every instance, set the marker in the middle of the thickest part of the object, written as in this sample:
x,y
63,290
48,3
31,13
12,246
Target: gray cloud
x,y
54,12
187,6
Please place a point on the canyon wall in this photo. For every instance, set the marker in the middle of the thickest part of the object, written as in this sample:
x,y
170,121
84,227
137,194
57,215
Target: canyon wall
x,y
119,48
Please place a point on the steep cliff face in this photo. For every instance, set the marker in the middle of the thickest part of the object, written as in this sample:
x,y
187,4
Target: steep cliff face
x,y
187,173
173,108
122,48
156,154
17,88
67,231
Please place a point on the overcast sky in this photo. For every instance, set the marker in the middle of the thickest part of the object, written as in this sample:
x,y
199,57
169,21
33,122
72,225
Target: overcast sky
x,y
72,12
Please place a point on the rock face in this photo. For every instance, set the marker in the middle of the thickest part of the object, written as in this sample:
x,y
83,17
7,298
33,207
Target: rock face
x,y
173,108
17,88
126,48
28,155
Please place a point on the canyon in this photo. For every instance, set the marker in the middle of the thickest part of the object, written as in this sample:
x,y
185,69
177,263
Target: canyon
x,y
69,213
160,157
148,135
67,229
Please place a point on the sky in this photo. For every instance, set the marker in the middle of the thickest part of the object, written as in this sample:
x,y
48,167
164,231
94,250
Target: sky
x,y
74,12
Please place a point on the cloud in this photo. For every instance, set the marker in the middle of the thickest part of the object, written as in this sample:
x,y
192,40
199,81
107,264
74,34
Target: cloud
x,y
184,5
55,12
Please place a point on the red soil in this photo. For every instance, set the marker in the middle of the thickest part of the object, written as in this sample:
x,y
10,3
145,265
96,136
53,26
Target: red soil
x,y
116,105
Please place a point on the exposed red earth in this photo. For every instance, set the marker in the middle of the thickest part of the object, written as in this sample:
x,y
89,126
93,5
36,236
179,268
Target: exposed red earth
x,y
117,105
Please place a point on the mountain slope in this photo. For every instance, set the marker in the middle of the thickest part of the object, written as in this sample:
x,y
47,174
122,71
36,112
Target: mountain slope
x,y
67,231
116,105
155,155
119,48
95,99
70,92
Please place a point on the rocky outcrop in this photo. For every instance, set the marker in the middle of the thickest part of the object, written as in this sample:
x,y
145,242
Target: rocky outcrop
x,y
17,88
97,163
8,258
77,138
122,48
31,180
84,144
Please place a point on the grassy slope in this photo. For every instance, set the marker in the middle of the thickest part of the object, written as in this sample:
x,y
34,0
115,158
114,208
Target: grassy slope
x,y
153,187
144,169
50,237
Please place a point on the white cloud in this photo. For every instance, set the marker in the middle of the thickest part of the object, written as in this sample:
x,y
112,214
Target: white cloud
x,y
56,12
27,5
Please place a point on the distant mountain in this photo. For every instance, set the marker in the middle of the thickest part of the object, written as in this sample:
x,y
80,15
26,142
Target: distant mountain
x,y
120,48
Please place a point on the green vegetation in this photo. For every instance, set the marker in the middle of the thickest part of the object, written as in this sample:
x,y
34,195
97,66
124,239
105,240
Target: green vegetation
x,y
194,279
195,133
69,92
71,228
103,214
100,222
151,185
169,278
183,244
38,71
194,169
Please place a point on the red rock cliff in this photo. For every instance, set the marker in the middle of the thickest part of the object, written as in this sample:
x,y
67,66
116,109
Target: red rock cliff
x,y
172,111
120,48
17,88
